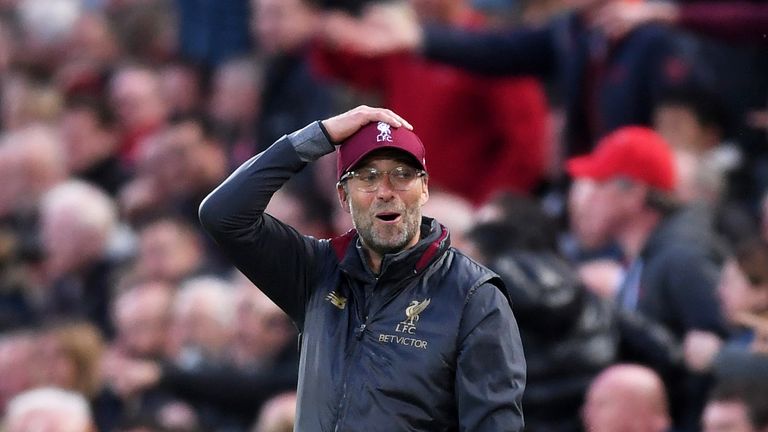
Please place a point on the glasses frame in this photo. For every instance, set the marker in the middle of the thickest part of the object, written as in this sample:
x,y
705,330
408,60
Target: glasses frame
x,y
351,174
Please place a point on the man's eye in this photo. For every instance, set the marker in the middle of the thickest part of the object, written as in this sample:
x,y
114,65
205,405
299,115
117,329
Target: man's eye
x,y
368,176
403,174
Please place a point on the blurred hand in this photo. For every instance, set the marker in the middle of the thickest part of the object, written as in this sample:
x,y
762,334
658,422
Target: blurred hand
x,y
602,277
700,348
344,125
382,29
128,376
617,19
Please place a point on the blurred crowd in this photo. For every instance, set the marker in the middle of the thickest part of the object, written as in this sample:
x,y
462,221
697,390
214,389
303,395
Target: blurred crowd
x,y
638,311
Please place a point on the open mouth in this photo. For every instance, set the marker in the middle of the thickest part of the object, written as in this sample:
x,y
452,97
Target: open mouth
x,y
388,216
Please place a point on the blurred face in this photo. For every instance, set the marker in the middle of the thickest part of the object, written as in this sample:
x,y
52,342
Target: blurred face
x,y
85,141
235,97
59,369
680,127
387,220
726,416
197,327
67,245
166,253
593,210
142,319
135,97
262,328
736,293
180,88
282,26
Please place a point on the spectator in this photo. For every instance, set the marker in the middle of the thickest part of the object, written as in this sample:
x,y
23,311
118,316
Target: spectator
x,y
604,83
233,105
72,354
695,123
569,334
177,167
262,351
493,131
278,414
181,86
90,49
263,333
135,97
141,315
736,21
77,222
626,398
48,409
292,96
170,251
87,131
455,212
202,316
28,100
674,257
18,350
743,293
736,407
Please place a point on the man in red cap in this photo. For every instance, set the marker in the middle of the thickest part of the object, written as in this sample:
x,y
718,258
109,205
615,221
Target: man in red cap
x,y
399,330
623,192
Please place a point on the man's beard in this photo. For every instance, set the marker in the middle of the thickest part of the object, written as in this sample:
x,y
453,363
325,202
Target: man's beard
x,y
391,238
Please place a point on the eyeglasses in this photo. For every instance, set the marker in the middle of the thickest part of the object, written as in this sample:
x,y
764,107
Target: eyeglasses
x,y
369,179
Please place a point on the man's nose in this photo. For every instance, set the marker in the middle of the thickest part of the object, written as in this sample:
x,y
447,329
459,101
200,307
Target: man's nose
x,y
386,189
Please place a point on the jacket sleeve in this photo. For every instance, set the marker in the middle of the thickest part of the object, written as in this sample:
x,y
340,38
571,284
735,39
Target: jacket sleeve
x,y
273,255
520,52
490,370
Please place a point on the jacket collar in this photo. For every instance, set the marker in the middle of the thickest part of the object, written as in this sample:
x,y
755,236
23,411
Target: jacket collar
x,y
435,240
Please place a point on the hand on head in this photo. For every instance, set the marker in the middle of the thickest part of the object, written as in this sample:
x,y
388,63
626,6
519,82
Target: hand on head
x,y
344,125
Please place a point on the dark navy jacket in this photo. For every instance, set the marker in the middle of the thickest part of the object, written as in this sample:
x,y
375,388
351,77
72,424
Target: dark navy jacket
x,y
428,344
604,85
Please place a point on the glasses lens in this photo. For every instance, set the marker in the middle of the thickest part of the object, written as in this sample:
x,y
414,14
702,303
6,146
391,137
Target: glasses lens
x,y
369,179
402,177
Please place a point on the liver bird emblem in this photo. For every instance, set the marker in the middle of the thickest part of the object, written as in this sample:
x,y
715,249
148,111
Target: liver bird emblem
x,y
412,312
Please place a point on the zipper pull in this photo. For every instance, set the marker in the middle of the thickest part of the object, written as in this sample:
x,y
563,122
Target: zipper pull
x,y
359,331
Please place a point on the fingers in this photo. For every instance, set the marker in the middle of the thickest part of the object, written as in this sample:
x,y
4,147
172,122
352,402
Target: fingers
x,y
390,117
344,125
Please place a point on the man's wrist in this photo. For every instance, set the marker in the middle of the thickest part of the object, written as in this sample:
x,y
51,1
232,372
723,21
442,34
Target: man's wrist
x,y
325,132
311,142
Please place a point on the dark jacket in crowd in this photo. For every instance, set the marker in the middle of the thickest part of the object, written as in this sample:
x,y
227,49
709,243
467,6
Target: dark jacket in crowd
x,y
428,344
571,335
675,285
604,85
680,268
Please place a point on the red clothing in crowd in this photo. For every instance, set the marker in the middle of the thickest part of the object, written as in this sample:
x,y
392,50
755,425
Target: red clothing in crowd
x,y
481,134
736,21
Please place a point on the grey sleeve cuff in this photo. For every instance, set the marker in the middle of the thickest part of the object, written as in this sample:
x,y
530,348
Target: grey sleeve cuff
x,y
311,143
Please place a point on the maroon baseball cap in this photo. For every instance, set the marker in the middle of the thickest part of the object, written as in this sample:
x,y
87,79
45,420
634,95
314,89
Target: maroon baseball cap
x,y
635,152
375,136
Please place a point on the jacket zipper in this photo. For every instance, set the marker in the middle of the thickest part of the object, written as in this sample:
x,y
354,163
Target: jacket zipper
x,y
359,331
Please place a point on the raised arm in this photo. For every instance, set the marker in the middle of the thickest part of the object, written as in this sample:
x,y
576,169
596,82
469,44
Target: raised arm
x,y
273,255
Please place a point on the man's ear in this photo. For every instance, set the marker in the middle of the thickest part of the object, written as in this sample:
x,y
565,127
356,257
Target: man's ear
x,y
343,197
424,191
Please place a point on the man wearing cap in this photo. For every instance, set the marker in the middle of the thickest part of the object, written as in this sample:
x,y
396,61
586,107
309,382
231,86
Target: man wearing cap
x,y
623,191
400,332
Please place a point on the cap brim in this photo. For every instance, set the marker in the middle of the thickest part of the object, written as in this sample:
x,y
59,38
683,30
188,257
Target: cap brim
x,y
584,166
406,156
